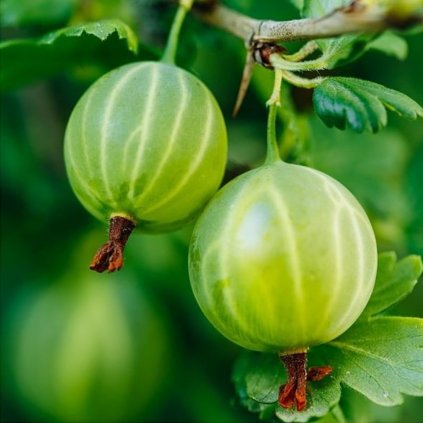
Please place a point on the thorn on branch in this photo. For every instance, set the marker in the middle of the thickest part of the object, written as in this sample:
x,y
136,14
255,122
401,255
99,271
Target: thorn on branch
x,y
259,53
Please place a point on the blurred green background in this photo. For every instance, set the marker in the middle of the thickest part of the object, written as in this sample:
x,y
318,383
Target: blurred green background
x,y
134,346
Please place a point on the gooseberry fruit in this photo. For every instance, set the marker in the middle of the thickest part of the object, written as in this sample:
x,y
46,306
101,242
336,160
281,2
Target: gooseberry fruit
x,y
283,258
144,146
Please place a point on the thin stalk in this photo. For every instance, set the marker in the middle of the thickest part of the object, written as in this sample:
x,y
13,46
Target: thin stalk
x,y
299,81
272,154
279,62
305,51
172,41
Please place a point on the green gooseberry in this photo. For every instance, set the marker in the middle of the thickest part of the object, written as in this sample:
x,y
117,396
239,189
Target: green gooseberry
x,y
282,259
145,146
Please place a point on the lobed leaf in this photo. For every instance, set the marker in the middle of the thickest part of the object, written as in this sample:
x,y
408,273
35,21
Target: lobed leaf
x,y
360,105
381,358
395,280
28,60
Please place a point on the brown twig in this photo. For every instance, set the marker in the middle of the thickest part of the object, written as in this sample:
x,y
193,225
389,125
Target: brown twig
x,y
355,18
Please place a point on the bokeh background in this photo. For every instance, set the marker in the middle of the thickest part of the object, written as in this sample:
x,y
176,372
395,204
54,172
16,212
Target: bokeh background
x,y
133,346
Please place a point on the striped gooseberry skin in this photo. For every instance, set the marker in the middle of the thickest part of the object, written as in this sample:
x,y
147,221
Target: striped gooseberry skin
x,y
283,258
146,141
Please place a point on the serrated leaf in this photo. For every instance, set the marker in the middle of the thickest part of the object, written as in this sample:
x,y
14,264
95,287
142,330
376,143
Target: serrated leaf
x,y
360,105
395,280
28,60
101,30
381,358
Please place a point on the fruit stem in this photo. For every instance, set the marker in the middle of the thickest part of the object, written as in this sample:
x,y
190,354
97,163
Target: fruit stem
x,y
294,392
273,103
110,256
172,41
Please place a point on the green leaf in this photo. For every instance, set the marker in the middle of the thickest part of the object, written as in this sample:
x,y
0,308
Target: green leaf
x,y
101,30
334,50
391,44
299,4
265,374
395,280
28,60
382,358
360,104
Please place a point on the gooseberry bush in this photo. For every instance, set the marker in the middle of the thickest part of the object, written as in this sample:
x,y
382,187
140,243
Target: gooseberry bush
x,y
288,242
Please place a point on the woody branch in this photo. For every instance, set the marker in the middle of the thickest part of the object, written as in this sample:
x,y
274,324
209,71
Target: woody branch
x,y
359,16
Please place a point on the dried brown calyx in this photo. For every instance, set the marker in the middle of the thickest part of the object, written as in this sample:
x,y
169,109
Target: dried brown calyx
x,y
294,392
110,256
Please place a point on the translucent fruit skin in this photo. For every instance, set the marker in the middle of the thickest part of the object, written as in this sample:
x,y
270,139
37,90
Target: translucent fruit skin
x,y
147,141
283,258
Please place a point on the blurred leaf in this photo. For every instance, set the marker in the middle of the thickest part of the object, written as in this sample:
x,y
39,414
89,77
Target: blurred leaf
x,y
371,166
336,415
378,357
395,280
391,44
35,12
360,104
28,60
415,197
299,4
